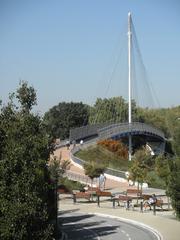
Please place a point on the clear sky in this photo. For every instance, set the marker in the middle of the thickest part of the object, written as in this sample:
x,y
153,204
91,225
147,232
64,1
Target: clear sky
x,y
64,47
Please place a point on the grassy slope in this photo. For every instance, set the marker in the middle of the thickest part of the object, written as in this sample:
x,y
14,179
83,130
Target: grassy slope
x,y
102,155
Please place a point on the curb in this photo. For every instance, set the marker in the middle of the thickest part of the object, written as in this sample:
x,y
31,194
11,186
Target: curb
x,y
133,222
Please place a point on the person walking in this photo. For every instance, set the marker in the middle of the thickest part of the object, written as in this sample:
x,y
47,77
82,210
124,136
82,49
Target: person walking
x,y
102,180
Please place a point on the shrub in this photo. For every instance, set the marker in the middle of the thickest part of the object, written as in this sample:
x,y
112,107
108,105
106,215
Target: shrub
x,y
70,185
115,146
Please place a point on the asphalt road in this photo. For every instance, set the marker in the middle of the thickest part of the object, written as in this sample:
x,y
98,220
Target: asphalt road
x,y
79,226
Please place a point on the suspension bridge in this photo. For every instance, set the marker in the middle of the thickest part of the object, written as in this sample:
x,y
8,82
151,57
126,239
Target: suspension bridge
x,y
133,133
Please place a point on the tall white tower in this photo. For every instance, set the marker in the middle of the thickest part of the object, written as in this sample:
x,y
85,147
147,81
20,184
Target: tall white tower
x,y
129,82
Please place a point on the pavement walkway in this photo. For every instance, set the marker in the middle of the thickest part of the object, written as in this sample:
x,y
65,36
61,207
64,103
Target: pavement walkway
x,y
163,222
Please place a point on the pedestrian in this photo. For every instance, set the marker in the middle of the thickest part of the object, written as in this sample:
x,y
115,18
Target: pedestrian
x,y
102,181
74,143
67,144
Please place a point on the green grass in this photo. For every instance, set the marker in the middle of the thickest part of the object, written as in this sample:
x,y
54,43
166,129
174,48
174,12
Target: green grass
x,y
103,156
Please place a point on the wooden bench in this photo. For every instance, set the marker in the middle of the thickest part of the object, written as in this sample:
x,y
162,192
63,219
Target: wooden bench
x,y
129,195
133,192
158,203
103,194
85,195
93,189
122,198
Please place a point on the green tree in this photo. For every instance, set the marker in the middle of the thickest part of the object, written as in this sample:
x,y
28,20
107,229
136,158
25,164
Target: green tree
x,y
26,96
138,167
61,118
24,184
93,170
162,168
174,185
57,167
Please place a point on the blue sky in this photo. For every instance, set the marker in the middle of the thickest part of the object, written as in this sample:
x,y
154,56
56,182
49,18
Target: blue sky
x,y
66,49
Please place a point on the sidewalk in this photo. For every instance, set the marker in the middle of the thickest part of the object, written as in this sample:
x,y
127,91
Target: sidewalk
x,y
164,221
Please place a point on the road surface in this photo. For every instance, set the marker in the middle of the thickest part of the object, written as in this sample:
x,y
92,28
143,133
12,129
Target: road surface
x,y
79,226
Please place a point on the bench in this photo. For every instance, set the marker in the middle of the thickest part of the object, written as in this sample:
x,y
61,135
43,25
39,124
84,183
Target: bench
x,y
85,195
158,203
133,192
129,195
93,189
103,194
122,198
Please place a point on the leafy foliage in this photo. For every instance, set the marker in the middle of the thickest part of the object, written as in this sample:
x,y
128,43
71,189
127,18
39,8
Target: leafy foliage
x,y
110,110
57,167
93,170
139,168
24,185
26,96
115,146
162,168
61,118
174,185
70,185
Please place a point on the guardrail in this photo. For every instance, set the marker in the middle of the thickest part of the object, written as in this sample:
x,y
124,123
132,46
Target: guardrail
x,y
106,130
61,144
80,178
126,128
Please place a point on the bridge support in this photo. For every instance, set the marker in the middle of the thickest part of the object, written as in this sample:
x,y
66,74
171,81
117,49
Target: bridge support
x,y
130,147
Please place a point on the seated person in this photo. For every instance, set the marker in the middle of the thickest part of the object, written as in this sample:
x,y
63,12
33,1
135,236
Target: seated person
x,y
150,202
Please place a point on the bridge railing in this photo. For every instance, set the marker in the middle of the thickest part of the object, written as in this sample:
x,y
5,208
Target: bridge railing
x,y
124,128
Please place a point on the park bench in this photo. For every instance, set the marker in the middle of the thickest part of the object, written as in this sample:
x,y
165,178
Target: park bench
x,y
122,198
128,197
85,195
103,194
94,189
158,203
133,192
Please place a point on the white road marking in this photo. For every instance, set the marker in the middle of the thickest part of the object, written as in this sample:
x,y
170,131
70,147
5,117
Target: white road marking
x,y
136,223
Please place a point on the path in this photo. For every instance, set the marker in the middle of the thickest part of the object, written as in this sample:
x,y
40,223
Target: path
x,y
110,183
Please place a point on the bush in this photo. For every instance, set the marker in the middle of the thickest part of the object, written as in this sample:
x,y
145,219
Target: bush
x,y
70,185
115,146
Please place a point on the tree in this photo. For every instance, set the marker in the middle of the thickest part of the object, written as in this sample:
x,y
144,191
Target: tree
x,y
174,185
93,170
24,184
162,168
57,167
26,96
138,169
109,110
61,118
115,146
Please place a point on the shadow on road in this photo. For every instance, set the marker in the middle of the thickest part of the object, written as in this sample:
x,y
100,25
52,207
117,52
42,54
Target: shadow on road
x,y
84,226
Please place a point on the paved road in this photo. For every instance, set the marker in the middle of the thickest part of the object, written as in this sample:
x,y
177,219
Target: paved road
x,y
79,226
